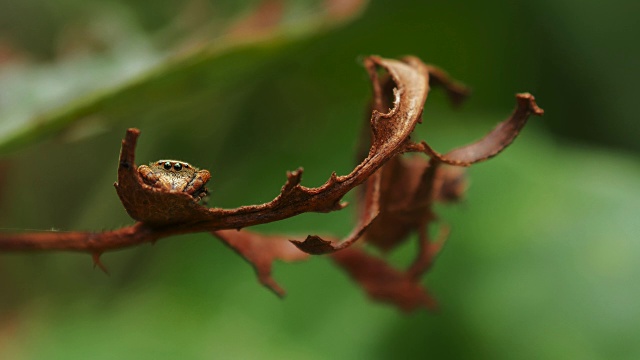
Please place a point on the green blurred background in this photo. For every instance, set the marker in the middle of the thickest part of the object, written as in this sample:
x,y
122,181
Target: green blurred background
x,y
542,259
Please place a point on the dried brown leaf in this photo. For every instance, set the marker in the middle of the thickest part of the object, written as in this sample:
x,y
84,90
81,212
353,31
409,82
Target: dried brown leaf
x,y
163,213
315,245
261,251
404,202
456,91
398,195
451,184
159,208
494,142
427,251
382,282
410,186
149,204
388,131
407,188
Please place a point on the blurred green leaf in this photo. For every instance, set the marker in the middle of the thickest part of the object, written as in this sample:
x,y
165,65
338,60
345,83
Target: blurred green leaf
x,y
133,77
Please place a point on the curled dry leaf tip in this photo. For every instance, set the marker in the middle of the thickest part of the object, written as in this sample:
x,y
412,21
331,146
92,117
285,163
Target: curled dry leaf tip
x,y
491,144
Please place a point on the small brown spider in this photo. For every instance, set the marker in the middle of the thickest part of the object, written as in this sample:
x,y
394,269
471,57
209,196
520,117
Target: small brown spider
x,y
176,175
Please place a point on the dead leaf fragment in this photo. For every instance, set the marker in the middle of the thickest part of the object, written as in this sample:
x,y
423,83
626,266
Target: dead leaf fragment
x,y
397,197
495,141
261,251
391,130
402,206
382,282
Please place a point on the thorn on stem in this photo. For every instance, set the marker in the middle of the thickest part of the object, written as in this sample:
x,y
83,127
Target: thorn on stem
x,y
98,263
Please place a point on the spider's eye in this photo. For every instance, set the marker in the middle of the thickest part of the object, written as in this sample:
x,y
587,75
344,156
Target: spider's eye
x,y
167,165
177,166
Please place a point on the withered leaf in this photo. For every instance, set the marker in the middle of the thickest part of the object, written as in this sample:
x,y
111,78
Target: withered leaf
x,y
397,197
410,186
382,282
450,184
148,204
261,251
160,208
405,202
428,250
389,130
315,245
407,188
456,91
494,142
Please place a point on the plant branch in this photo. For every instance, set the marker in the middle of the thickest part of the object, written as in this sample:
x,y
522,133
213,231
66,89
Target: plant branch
x,y
397,195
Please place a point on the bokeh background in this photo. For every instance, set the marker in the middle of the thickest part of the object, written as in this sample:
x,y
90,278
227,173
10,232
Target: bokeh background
x,y
542,261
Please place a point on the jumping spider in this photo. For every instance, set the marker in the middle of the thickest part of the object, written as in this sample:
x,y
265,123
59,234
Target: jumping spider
x,y
176,175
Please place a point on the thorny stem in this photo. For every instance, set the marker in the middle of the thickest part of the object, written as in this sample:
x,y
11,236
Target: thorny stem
x,y
92,242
